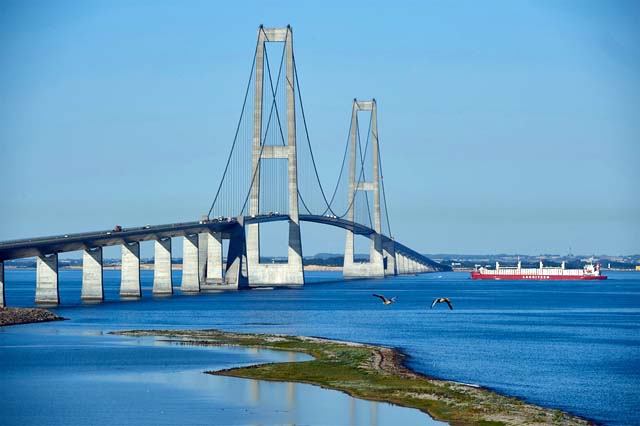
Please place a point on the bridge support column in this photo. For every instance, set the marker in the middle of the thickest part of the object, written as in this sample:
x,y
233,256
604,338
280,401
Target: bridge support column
x,y
214,259
92,282
400,264
389,252
372,269
162,278
409,266
2,301
412,266
130,279
269,274
236,272
203,250
190,264
47,279
403,263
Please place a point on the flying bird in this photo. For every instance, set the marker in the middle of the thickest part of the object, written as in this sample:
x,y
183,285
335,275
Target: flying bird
x,y
442,300
386,301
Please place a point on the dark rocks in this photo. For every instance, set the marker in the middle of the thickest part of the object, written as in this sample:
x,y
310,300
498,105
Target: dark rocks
x,y
13,316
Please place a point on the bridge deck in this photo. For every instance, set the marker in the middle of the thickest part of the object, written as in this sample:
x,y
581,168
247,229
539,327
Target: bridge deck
x,y
31,247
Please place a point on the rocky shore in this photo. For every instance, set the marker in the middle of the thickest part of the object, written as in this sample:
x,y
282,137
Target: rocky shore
x,y
13,316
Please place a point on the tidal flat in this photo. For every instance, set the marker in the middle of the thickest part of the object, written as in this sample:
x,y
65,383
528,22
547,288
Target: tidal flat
x,y
371,372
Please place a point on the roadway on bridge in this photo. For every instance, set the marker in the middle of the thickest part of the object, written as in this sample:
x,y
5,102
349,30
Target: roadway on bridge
x,y
31,247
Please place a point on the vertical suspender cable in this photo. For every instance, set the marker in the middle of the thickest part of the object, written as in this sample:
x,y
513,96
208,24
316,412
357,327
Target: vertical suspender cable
x,y
235,138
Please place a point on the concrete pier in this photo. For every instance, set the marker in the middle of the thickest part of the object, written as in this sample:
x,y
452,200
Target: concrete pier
x,y
409,265
399,264
203,250
374,268
92,277
130,280
389,253
403,264
2,301
214,259
190,264
236,275
162,279
47,279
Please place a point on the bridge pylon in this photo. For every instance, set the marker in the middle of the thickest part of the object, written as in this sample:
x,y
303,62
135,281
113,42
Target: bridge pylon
x,y
375,267
290,273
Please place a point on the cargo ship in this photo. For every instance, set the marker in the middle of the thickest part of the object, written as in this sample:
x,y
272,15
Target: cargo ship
x,y
589,272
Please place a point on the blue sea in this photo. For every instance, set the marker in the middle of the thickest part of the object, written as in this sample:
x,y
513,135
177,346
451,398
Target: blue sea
x,y
569,345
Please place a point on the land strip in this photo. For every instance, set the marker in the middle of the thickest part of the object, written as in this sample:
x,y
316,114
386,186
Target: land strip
x,y
374,373
14,316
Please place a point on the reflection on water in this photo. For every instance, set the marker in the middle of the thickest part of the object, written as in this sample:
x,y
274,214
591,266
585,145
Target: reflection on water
x,y
374,414
255,391
105,380
352,412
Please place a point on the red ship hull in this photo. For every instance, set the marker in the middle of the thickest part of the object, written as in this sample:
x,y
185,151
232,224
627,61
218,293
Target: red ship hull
x,y
479,276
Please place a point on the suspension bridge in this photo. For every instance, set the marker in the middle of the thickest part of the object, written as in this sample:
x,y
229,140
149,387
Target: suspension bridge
x,y
261,182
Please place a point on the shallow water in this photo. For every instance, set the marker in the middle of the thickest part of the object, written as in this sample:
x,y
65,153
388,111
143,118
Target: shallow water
x,y
57,378
568,345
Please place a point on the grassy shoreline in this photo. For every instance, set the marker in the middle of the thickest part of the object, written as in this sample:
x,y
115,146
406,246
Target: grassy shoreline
x,y
375,373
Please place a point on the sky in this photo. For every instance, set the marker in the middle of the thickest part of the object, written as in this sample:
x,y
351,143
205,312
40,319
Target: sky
x,y
505,126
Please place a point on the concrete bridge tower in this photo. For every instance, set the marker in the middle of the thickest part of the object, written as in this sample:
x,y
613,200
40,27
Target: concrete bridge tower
x,y
289,273
375,268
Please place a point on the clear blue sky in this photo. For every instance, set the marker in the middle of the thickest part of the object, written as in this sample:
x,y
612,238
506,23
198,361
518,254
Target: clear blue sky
x,y
505,126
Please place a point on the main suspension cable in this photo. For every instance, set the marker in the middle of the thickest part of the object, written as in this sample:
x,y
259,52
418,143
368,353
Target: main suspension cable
x,y
306,130
296,85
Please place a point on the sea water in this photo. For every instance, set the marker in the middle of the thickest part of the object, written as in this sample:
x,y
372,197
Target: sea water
x,y
569,345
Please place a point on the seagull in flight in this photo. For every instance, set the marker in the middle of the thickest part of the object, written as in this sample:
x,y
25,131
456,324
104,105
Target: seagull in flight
x,y
386,301
442,300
